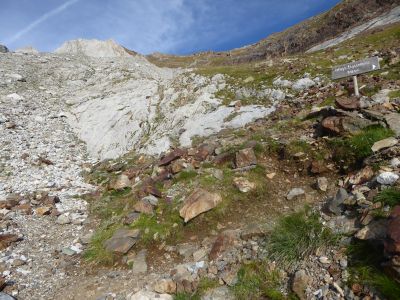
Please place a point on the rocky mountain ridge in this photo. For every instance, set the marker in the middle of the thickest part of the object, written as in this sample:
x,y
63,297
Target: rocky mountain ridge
x,y
343,21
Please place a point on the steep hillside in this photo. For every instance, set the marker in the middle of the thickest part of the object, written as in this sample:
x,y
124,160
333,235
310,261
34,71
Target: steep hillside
x,y
340,19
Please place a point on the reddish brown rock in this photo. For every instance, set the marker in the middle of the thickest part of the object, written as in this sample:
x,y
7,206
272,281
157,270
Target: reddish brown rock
x,y
175,154
223,243
43,211
163,175
224,158
245,158
24,208
203,151
393,230
332,124
7,239
46,161
350,123
152,190
177,166
348,103
51,200
318,167
395,212
362,176
199,201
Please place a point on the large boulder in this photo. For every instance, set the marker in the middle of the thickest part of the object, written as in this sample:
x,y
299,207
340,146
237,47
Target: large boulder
x,y
300,283
348,103
3,49
393,121
224,242
197,202
345,124
245,158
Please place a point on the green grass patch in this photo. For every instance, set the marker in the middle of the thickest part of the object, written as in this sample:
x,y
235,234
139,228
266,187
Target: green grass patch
x,y
187,296
365,268
296,236
371,90
298,146
164,225
353,150
206,284
394,94
389,196
257,281
328,101
185,176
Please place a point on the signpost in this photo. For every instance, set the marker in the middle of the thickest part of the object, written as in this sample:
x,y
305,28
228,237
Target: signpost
x,y
355,68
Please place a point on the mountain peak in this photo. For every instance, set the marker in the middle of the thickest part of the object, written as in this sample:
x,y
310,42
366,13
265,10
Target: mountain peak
x,y
93,48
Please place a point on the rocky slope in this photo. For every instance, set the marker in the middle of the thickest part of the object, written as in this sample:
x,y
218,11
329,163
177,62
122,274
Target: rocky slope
x,y
123,180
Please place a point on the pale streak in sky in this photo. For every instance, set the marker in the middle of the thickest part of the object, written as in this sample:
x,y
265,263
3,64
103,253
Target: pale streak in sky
x,y
40,20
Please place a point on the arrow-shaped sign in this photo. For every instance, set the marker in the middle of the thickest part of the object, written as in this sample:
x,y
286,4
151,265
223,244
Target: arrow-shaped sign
x,y
356,67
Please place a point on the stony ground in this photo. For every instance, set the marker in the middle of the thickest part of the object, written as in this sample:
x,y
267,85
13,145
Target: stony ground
x,y
263,167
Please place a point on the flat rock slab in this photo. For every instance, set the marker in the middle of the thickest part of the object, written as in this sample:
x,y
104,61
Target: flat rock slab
x,y
199,201
294,193
393,120
348,103
167,159
122,240
385,143
139,263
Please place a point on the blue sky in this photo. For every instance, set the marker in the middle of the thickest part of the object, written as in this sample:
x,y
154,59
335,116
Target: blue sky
x,y
146,26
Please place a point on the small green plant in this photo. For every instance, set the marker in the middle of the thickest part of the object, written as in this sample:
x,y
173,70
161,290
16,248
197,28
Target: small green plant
x,y
394,94
389,196
370,91
297,235
186,296
206,284
257,281
298,146
185,176
353,150
165,224
329,101
365,261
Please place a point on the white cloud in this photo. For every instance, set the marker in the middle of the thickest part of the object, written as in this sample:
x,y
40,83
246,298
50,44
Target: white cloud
x,y
40,20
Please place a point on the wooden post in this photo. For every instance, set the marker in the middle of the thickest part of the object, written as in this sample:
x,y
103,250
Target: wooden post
x,y
355,82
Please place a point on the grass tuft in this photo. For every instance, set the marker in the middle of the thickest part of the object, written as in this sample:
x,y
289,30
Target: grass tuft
x,y
365,267
296,236
257,281
394,94
185,176
353,150
389,196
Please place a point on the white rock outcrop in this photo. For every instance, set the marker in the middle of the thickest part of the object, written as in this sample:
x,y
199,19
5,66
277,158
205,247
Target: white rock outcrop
x,y
93,48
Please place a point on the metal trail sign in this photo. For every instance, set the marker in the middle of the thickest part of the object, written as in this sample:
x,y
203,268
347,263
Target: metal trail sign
x,y
355,68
